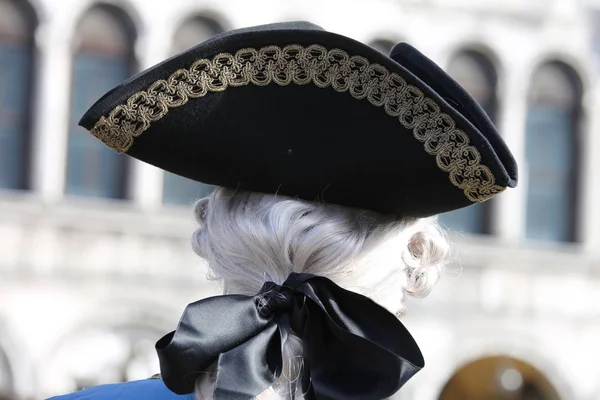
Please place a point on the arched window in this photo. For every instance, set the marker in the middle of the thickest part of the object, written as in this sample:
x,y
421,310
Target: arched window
x,y
501,378
176,189
194,31
551,152
17,24
103,58
477,75
382,45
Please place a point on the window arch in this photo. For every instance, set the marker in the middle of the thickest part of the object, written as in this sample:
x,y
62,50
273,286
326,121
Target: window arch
x,y
498,378
551,147
103,58
477,75
17,24
382,45
193,31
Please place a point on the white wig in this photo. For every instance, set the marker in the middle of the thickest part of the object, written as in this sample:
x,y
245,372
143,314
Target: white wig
x,y
249,238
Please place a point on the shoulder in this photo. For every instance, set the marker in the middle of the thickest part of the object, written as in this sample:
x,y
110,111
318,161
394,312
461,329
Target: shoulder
x,y
148,389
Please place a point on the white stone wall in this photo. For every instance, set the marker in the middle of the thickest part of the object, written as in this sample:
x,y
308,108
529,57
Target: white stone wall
x,y
67,265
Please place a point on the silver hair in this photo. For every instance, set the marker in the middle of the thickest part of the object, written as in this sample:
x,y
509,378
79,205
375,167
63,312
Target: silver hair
x,y
249,238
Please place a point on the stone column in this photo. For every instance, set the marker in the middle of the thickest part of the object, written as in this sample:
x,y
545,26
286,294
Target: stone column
x,y
152,47
51,104
509,213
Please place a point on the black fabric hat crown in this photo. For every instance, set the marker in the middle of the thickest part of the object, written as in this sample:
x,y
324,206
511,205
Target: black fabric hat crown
x,y
290,108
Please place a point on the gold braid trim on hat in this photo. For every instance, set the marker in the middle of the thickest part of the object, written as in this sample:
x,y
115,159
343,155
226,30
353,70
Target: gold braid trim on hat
x,y
301,65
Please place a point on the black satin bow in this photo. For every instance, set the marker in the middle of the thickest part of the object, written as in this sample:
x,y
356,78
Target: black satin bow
x,y
354,349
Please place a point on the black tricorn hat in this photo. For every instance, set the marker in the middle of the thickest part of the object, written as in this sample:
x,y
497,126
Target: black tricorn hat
x,y
290,108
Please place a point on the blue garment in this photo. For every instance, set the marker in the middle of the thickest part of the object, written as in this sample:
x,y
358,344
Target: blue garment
x,y
148,389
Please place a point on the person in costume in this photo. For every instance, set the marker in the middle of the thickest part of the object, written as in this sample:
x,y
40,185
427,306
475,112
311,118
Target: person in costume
x,y
330,161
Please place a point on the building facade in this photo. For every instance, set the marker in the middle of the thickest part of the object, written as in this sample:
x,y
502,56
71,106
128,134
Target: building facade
x,y
95,262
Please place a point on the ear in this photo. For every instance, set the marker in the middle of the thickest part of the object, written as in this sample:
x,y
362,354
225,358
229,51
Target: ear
x,y
200,209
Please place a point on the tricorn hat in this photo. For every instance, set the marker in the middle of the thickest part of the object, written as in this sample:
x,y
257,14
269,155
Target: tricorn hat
x,y
290,108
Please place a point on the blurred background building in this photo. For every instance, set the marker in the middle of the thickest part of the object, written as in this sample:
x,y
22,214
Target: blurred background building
x,y
95,263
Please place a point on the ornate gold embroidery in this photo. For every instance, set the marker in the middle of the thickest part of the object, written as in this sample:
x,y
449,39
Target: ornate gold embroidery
x,y
300,65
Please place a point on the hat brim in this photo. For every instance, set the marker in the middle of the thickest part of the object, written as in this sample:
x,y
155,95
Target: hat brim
x,y
296,110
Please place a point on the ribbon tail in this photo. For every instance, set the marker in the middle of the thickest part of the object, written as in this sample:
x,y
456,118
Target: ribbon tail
x,y
307,387
250,368
355,349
